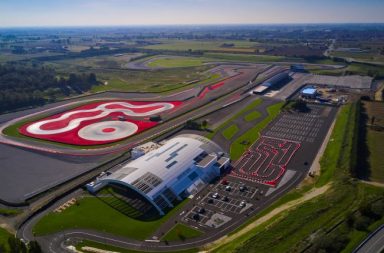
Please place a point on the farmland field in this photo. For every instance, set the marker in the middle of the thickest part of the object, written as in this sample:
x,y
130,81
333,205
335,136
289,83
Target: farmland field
x,y
219,45
375,139
174,62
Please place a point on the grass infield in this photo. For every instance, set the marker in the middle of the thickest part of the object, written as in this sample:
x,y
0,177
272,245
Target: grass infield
x,y
181,232
229,132
241,144
93,213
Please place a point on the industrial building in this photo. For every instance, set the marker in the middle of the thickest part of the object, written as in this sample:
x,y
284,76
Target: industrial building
x,y
163,176
309,92
271,83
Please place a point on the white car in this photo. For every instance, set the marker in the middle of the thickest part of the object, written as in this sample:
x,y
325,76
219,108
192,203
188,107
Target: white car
x,y
242,204
215,195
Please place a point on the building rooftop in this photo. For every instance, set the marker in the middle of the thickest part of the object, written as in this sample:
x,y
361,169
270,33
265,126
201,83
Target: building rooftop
x,y
162,165
309,91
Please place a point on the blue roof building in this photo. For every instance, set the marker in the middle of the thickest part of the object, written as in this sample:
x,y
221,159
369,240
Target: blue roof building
x,y
309,92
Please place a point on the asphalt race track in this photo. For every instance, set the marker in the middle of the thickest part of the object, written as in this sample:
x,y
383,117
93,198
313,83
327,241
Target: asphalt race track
x,y
266,161
25,173
45,165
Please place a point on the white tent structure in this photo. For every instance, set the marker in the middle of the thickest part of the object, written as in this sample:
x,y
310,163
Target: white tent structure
x,y
182,166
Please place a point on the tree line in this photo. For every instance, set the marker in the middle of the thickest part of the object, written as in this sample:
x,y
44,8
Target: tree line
x,y
24,85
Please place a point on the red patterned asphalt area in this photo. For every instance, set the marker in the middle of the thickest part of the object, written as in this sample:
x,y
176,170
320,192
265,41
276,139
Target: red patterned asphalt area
x,y
266,161
98,122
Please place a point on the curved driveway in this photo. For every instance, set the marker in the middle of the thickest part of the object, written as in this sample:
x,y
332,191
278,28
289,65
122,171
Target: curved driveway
x,y
374,243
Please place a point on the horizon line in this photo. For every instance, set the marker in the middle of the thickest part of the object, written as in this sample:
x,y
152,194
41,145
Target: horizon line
x,y
191,24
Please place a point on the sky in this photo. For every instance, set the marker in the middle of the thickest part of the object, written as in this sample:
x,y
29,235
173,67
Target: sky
x,y
14,13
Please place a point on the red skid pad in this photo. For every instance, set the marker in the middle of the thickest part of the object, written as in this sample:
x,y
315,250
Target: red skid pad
x,y
98,122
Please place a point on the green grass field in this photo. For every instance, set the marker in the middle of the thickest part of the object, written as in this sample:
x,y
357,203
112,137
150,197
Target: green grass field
x,y
176,62
375,141
334,149
248,57
9,212
248,108
164,80
230,131
92,213
180,232
252,116
4,235
238,147
364,56
101,246
184,45
353,69
103,61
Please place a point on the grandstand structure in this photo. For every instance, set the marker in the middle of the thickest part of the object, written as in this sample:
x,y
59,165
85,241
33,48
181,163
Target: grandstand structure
x,y
166,175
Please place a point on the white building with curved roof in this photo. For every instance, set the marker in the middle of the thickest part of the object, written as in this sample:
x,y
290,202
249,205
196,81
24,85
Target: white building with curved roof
x,y
182,166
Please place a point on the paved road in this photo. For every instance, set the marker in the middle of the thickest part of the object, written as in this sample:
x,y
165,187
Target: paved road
x,y
373,244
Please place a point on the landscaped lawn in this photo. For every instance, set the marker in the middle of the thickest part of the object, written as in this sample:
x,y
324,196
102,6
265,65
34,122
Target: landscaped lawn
x,y
229,132
241,144
181,232
334,149
92,213
252,116
248,108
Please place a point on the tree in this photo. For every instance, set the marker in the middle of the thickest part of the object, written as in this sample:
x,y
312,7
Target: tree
x,y
34,247
16,246
204,124
193,125
92,79
300,105
362,223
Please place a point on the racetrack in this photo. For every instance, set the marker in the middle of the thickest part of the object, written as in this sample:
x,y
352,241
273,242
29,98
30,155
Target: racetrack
x,y
40,178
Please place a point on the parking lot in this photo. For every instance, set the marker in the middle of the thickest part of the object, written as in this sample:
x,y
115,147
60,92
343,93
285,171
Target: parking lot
x,y
301,127
279,159
226,199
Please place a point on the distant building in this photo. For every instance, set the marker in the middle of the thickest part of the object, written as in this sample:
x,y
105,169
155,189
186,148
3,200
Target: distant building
x,y
271,83
182,166
309,92
298,68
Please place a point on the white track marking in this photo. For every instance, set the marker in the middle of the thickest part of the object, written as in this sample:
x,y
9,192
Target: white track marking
x,y
121,129
36,127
